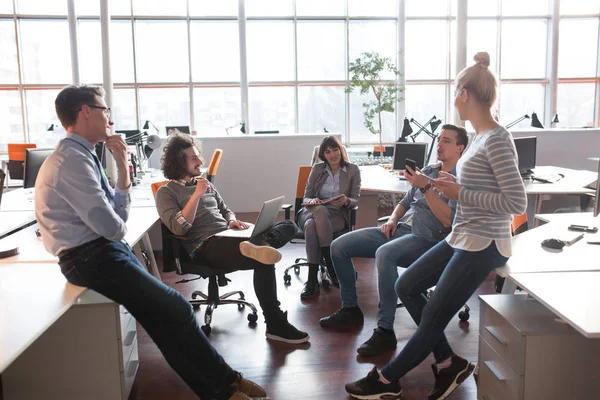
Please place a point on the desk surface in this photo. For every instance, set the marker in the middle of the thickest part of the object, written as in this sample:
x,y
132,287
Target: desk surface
x,y
376,179
32,249
573,296
10,221
23,199
574,181
529,256
35,295
570,218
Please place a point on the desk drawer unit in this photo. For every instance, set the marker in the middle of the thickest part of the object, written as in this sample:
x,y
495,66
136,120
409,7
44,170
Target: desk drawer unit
x,y
525,353
89,353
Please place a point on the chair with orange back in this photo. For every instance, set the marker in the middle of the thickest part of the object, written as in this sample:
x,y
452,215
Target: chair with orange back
x,y
16,159
175,258
519,225
213,165
303,173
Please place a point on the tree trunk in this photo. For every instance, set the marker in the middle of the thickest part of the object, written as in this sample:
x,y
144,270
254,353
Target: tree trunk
x,y
381,149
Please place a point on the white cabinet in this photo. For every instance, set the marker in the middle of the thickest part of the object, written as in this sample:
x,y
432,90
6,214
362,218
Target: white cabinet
x,y
525,353
89,353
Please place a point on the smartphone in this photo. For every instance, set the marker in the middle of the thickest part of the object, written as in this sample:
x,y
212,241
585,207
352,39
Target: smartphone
x,y
412,164
583,228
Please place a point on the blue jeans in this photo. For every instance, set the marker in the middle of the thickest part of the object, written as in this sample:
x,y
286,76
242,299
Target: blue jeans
x,y
111,269
457,274
401,250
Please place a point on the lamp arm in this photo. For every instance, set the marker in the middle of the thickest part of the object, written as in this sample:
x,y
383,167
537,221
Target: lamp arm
x,y
510,125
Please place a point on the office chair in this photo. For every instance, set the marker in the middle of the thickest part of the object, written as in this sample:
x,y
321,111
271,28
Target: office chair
x,y
518,225
16,159
175,258
303,173
213,165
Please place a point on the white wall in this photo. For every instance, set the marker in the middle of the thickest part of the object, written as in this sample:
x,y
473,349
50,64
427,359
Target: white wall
x,y
567,148
255,168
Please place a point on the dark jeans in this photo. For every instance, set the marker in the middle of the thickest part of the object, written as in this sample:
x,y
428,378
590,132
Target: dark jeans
x,y
111,268
456,274
224,253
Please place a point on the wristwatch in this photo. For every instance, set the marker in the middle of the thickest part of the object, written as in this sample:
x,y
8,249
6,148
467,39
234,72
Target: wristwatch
x,y
425,188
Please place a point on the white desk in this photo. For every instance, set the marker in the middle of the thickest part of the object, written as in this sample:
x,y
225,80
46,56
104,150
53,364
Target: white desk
x,y
32,298
530,257
583,218
10,221
573,296
32,249
374,180
60,341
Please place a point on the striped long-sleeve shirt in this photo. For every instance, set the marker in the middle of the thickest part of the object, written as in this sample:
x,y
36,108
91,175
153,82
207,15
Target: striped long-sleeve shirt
x,y
492,191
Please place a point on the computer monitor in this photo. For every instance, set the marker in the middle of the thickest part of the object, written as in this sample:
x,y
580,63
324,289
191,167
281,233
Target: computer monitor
x,y
182,129
414,151
34,158
526,151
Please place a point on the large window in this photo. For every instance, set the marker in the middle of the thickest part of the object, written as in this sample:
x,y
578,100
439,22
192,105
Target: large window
x,y
179,62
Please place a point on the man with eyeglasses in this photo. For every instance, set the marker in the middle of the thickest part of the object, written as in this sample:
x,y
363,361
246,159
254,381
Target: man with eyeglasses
x,y
82,221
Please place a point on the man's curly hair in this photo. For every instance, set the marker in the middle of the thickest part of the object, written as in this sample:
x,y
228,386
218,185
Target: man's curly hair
x,y
173,162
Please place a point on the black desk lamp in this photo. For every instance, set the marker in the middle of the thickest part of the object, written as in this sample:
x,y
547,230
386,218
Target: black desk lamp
x,y
406,131
51,127
535,122
147,126
516,121
555,119
433,123
241,125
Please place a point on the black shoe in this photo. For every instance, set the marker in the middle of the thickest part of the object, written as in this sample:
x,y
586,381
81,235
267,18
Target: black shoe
x,y
281,330
381,342
311,288
345,317
371,388
448,379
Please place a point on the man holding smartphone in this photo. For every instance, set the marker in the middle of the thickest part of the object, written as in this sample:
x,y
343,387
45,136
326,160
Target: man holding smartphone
x,y
418,222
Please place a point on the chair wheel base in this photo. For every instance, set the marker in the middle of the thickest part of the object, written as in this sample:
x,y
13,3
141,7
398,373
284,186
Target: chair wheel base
x,y
206,329
252,318
287,279
464,316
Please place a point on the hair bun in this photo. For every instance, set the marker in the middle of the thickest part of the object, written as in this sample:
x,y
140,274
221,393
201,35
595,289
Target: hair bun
x,y
482,58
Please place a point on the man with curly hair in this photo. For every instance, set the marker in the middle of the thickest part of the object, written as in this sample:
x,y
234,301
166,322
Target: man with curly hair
x,y
82,221
192,208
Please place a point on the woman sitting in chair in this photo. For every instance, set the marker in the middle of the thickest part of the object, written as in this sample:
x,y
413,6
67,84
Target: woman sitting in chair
x,y
332,189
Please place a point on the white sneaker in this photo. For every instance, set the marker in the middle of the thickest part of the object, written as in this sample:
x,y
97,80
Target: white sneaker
x,y
263,254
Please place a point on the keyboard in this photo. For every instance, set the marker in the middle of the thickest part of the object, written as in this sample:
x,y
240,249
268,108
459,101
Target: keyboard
x,y
548,178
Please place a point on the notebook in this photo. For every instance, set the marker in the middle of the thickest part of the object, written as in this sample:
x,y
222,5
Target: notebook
x,y
266,218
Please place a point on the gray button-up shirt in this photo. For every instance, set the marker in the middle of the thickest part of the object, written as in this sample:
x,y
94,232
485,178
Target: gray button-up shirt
x,y
71,206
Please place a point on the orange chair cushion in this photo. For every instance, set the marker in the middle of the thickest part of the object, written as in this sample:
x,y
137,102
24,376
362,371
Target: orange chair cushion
x,y
16,151
156,186
303,173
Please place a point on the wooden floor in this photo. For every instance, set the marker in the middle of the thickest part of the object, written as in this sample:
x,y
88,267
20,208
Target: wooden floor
x,y
316,370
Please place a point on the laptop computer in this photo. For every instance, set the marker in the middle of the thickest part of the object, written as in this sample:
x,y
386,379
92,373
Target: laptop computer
x,y
266,218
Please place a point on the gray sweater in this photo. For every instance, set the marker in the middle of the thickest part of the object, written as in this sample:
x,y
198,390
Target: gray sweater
x,y
211,216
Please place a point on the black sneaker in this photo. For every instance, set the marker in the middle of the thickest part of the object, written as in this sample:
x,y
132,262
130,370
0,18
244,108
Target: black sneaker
x,y
345,317
370,388
281,330
383,340
448,379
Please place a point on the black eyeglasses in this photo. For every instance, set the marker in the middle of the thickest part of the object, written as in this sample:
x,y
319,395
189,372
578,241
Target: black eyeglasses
x,y
105,109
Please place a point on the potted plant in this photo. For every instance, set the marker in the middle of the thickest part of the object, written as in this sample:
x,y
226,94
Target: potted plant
x,y
366,74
